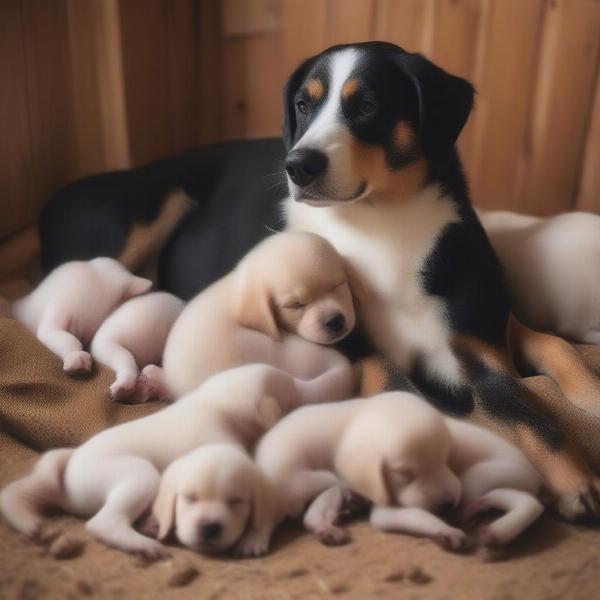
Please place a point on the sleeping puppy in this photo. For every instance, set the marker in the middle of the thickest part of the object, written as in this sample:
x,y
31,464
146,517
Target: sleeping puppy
x,y
132,338
553,269
66,309
114,477
286,298
402,455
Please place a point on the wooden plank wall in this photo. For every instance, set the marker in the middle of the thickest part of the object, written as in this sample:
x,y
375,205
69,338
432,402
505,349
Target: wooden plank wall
x,y
90,85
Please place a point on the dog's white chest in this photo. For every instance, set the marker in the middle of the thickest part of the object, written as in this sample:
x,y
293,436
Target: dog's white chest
x,y
389,248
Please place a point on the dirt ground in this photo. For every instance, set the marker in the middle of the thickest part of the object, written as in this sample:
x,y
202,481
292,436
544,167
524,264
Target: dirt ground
x,y
552,561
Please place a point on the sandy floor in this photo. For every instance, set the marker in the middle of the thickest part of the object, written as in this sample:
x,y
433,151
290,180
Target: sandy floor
x,y
552,561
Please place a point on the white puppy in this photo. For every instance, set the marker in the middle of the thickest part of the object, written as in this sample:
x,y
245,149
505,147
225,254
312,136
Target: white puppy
x,y
132,338
553,269
115,476
288,295
69,305
406,458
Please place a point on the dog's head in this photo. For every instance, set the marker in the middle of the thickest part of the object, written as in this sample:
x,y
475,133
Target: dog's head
x,y
297,282
396,454
361,120
210,497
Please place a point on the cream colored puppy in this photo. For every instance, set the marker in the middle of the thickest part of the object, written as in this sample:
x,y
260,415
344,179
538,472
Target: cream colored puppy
x,y
133,338
67,307
407,459
553,269
116,475
290,294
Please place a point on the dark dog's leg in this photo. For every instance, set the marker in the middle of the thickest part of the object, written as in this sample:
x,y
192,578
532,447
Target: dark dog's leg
x,y
555,357
522,413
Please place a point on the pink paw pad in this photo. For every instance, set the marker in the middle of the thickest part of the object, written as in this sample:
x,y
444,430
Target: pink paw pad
x,y
333,536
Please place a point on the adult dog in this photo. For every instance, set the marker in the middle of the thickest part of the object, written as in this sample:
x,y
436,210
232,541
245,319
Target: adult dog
x,y
370,134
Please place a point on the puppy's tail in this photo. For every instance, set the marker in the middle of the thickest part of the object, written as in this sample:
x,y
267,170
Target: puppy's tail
x,y
22,502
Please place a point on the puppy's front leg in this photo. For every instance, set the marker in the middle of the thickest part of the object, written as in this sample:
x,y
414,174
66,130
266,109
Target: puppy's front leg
x,y
322,516
418,522
54,335
522,509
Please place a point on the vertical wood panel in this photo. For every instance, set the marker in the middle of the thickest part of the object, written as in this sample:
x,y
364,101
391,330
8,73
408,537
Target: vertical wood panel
x,y
408,23
351,21
563,95
17,203
304,29
252,102
49,101
504,101
589,186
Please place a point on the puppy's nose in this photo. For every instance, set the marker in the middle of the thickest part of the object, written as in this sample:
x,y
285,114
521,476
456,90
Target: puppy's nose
x,y
335,323
210,531
304,166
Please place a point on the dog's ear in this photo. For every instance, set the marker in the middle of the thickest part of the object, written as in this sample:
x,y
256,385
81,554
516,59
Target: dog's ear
x,y
254,306
364,470
444,103
164,504
357,284
137,286
289,106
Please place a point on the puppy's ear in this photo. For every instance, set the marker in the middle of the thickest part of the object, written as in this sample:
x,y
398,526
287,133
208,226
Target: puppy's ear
x,y
289,105
358,287
366,474
263,503
444,103
137,286
164,504
253,306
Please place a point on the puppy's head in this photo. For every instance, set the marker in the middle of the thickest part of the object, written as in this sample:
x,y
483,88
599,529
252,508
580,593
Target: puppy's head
x,y
131,284
297,282
364,119
209,496
396,453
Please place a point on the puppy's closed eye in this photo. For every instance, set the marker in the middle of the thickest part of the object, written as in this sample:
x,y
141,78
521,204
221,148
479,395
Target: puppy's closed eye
x,y
293,305
190,497
235,502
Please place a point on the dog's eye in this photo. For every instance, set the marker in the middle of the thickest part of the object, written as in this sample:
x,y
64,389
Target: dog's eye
x,y
190,497
366,108
293,305
303,107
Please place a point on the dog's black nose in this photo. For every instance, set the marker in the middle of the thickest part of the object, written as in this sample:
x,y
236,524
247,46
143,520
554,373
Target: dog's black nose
x,y
210,531
335,323
304,166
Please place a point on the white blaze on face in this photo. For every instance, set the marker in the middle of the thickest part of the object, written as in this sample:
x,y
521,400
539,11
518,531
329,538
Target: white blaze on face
x,y
328,134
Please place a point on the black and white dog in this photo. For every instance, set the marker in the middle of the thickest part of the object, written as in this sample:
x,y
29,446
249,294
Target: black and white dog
x,y
370,134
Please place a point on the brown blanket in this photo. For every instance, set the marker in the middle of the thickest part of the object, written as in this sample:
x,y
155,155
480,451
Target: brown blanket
x,y
41,407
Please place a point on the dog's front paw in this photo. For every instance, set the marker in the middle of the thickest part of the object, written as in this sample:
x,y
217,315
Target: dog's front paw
x,y
451,539
581,505
77,361
252,545
333,536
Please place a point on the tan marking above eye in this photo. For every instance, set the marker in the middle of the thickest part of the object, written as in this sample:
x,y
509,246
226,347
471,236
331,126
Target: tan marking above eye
x,y
315,89
404,135
350,86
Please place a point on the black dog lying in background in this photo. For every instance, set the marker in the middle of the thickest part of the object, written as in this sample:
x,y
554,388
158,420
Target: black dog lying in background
x,y
370,134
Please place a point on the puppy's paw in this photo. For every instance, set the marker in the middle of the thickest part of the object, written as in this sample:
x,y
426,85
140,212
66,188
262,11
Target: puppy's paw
x,y
451,539
252,545
77,361
123,390
333,536
582,505
487,538
473,509
150,550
